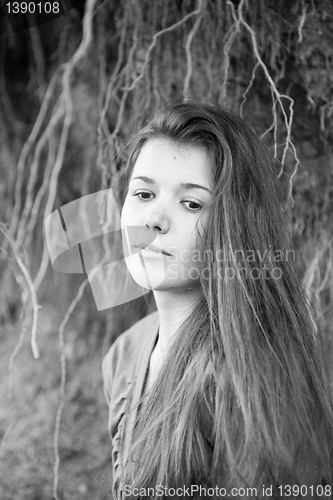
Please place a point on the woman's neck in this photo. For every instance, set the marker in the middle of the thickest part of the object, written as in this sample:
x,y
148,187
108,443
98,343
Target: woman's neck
x,y
173,308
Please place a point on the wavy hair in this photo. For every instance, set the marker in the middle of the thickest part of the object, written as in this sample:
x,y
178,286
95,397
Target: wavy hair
x,y
242,399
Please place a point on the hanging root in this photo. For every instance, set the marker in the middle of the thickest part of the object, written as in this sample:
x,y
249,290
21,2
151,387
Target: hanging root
x,y
29,289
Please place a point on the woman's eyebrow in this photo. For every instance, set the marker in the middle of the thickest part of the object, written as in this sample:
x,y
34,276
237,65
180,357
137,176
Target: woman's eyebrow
x,y
186,185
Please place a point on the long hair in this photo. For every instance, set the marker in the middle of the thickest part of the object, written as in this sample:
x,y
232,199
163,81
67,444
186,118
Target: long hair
x,y
242,398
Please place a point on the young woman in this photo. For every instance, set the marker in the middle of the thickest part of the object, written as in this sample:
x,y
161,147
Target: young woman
x,y
220,392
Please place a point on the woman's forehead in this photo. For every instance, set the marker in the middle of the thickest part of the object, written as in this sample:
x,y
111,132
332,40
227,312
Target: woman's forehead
x,y
163,153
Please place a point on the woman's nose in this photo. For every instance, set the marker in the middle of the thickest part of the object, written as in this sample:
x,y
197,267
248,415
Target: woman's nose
x,y
157,221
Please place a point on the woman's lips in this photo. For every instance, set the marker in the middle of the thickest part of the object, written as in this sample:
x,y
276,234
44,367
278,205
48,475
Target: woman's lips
x,y
152,248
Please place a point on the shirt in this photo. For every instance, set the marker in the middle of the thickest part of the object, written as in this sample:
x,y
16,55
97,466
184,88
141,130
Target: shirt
x,y
125,368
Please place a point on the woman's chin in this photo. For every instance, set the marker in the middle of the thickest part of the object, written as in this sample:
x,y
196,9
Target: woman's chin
x,y
147,276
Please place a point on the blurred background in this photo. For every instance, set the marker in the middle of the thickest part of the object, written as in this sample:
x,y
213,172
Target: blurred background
x,y
74,85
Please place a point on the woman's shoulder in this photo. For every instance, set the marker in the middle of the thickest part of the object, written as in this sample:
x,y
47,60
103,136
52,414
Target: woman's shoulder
x,y
118,367
124,350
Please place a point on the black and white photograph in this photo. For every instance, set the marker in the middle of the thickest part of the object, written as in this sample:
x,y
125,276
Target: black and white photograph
x,y
166,249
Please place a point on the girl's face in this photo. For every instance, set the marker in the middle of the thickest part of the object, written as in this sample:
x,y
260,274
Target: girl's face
x,y
161,209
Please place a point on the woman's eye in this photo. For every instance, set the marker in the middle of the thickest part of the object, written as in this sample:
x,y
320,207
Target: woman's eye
x,y
190,209
140,193
195,209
